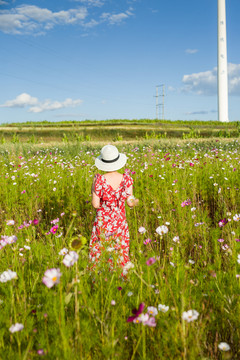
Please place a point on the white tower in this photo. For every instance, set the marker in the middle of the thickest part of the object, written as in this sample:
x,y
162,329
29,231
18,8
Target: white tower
x,y
222,64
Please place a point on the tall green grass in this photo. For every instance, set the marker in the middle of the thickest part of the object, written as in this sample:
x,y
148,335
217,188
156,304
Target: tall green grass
x,y
76,318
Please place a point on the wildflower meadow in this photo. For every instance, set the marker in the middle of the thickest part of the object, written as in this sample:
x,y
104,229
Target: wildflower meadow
x,y
179,297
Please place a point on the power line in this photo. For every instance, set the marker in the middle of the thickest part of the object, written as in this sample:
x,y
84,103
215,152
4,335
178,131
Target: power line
x,y
158,105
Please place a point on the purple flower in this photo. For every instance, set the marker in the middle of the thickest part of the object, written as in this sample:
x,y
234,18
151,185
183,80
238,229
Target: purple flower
x,y
222,222
136,312
150,261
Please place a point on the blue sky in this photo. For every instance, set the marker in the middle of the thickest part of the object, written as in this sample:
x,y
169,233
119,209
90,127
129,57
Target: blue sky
x,y
102,59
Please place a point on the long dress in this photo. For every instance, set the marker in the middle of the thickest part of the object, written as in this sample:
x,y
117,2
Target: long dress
x,y
110,235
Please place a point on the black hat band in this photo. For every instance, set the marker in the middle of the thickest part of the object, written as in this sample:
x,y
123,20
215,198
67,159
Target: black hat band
x,y
110,161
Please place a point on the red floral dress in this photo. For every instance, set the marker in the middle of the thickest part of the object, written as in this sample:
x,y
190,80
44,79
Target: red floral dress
x,y
110,234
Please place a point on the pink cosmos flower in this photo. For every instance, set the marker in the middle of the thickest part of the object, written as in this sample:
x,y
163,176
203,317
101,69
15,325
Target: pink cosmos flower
x,y
41,352
220,240
55,221
23,192
53,230
147,241
186,203
136,313
150,261
151,322
35,222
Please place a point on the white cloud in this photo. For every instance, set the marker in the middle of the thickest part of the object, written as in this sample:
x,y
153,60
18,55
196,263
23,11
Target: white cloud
x,y
91,2
31,19
54,105
21,100
28,18
91,23
116,18
191,51
205,83
36,106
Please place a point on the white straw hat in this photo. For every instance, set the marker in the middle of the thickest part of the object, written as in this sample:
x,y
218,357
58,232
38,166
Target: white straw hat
x,y
110,159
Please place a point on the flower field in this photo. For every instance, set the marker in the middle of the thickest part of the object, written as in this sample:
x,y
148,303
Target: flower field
x,y
180,296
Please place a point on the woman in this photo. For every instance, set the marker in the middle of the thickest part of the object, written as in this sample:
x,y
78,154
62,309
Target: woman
x,y
110,234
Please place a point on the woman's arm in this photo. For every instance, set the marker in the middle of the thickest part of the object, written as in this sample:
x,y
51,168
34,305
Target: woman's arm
x,y
95,201
95,198
131,201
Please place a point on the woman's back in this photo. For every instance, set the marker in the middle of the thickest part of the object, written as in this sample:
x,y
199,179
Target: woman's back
x,y
114,179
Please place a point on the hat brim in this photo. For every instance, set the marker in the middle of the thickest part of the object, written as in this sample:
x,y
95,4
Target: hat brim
x,y
116,165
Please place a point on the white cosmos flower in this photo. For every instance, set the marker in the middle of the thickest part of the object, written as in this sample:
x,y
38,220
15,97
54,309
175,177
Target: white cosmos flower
x,y
176,239
191,261
161,230
163,308
7,276
238,259
16,327
64,251
51,277
11,239
236,217
142,230
70,258
10,222
152,310
190,315
224,346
